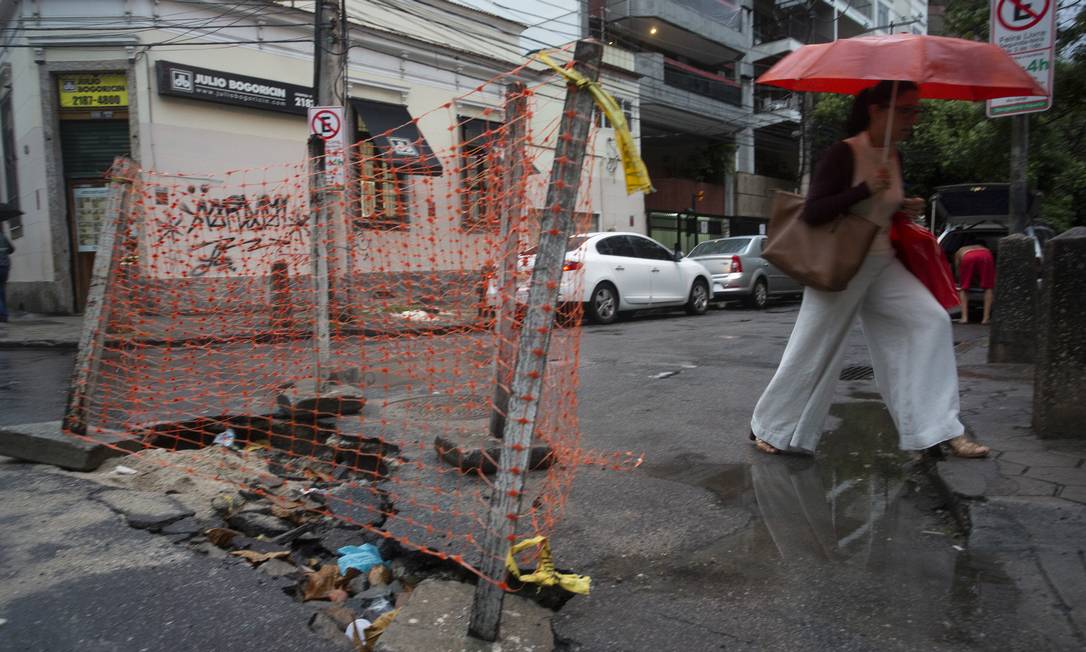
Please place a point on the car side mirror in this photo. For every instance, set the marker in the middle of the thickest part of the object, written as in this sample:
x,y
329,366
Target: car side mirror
x,y
677,255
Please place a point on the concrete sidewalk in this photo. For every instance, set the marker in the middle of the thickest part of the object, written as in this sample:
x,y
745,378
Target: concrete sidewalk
x,y
1026,504
41,331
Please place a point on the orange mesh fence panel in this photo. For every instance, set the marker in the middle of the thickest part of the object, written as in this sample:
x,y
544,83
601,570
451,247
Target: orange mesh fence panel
x,y
210,354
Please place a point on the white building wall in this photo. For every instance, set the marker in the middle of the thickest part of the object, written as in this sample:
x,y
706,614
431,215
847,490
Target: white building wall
x,y
177,135
34,260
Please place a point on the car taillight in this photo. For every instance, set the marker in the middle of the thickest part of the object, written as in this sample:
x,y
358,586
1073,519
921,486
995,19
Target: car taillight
x,y
572,265
737,265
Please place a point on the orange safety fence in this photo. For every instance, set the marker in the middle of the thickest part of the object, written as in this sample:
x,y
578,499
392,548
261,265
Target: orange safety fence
x,y
209,352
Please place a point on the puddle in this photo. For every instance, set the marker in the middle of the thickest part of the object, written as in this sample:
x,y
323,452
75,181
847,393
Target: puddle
x,y
858,509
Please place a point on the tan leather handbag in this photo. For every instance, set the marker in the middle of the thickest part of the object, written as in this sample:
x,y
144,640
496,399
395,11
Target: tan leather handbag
x,y
824,257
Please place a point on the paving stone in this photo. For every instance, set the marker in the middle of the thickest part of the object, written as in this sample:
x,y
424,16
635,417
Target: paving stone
x,y
46,443
1034,459
187,526
1077,494
1076,477
1027,486
143,509
278,568
255,524
332,399
1010,468
357,503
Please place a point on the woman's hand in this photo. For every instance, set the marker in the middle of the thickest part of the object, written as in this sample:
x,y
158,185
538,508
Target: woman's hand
x,y
881,182
913,207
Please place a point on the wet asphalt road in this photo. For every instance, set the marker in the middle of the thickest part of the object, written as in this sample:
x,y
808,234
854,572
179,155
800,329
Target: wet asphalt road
x,y
34,384
707,546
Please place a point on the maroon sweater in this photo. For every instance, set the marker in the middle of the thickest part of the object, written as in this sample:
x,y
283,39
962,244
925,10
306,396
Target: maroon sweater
x,y
831,192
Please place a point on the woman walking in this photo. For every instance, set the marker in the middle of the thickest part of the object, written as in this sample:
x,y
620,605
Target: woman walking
x,y
907,331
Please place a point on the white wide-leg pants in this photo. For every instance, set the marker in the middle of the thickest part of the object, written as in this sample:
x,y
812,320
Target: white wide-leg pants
x,y
912,352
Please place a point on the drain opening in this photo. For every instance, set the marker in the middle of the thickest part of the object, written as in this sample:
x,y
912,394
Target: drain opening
x,y
859,372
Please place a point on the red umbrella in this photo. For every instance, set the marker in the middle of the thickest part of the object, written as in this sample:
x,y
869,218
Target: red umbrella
x,y
943,68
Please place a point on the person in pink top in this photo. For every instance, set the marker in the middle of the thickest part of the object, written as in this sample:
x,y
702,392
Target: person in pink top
x,y
976,266
908,332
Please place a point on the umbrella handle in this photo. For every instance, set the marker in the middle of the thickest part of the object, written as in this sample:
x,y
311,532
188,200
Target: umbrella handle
x,y
889,124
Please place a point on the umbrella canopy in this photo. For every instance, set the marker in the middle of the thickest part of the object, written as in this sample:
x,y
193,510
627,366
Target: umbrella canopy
x,y
942,67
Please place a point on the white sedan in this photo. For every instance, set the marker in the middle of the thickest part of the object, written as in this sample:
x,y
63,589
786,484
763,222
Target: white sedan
x,y
611,273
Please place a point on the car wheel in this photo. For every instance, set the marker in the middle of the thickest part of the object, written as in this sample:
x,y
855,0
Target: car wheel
x,y
602,307
698,302
759,295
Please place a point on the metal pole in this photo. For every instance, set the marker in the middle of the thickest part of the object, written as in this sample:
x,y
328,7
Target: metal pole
x,y
506,278
1019,162
555,229
318,253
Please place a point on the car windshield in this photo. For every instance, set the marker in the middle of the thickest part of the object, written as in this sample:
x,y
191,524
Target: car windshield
x,y
574,243
719,247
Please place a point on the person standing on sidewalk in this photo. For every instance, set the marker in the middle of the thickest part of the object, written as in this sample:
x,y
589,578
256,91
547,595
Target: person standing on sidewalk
x,y
6,249
907,331
975,264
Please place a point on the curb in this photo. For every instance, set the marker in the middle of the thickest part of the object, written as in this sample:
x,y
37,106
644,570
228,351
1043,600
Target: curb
x,y
956,503
39,344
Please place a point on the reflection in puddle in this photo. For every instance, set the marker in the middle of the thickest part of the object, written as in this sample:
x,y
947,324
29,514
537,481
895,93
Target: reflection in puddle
x,y
852,506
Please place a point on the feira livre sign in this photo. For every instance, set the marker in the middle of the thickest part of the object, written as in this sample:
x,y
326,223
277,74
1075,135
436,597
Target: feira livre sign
x,y
1026,30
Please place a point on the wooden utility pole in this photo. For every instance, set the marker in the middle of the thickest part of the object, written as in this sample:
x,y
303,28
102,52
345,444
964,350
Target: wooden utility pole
x,y
1019,191
97,314
528,378
506,277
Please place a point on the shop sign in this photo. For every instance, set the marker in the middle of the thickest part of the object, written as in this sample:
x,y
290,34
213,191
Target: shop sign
x,y
182,80
86,90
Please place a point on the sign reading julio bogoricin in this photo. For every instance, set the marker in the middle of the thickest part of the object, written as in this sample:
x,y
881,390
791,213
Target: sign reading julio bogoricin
x,y
221,87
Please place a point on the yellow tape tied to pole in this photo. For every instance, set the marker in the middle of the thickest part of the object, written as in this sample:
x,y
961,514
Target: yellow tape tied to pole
x,y
637,175
545,574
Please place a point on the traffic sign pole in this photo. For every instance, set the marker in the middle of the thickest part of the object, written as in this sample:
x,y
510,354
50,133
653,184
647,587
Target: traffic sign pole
x,y
1026,30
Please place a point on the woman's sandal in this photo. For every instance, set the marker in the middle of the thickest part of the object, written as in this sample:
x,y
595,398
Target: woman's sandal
x,y
764,446
962,447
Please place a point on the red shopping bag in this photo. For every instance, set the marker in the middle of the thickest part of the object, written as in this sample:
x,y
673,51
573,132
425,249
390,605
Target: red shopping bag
x,y
921,254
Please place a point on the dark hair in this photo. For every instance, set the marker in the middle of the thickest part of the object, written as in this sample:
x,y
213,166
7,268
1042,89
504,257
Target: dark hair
x,y
877,95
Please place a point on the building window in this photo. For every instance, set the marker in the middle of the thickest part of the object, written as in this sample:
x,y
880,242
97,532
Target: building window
x,y
480,201
10,175
383,192
627,111
883,21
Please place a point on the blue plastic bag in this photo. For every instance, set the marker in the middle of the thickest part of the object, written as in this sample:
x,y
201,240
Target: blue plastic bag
x,y
363,558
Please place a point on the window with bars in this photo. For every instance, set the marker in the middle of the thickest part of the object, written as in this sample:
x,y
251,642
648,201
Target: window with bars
x,y
383,192
480,142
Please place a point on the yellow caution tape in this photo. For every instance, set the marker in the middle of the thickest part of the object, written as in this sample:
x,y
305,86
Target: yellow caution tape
x,y
637,175
544,574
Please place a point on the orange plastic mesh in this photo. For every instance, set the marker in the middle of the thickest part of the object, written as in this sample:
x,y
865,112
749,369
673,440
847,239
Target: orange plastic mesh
x,y
212,311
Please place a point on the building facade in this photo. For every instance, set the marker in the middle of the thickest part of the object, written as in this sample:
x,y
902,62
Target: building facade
x,y
196,88
717,144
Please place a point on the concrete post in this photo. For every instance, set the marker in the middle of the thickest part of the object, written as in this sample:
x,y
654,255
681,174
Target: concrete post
x,y
1059,385
1014,313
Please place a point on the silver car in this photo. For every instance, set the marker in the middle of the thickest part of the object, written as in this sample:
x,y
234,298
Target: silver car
x,y
740,273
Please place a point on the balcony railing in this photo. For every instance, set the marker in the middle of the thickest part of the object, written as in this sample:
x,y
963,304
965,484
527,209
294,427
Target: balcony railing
x,y
770,27
701,82
771,100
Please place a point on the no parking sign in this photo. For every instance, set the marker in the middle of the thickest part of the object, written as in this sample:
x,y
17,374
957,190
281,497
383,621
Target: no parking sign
x,y
1026,30
326,122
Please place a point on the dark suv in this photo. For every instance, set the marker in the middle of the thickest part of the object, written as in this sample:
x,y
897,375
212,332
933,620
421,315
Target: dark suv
x,y
979,212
